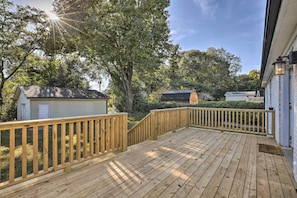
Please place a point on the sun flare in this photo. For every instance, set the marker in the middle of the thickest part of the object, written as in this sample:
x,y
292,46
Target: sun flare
x,y
52,16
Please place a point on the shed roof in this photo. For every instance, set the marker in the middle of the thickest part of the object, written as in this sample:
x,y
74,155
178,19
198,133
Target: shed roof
x,y
177,95
58,92
178,92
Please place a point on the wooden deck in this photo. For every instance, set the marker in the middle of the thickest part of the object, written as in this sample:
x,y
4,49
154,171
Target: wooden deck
x,y
188,163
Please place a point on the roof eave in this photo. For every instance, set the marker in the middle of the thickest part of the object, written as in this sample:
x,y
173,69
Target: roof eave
x,y
272,11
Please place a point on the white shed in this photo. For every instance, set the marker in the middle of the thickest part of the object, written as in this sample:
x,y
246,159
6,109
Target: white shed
x,y
239,95
36,102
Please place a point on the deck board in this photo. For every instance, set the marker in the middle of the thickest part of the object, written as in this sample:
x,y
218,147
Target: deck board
x,y
187,163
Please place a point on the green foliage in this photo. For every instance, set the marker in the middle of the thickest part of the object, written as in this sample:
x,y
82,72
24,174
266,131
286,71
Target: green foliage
x,y
250,81
21,31
231,104
213,71
123,37
8,109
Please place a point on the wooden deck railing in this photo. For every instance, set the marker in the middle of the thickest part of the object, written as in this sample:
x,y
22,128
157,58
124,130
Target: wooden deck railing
x,y
158,122
32,148
260,122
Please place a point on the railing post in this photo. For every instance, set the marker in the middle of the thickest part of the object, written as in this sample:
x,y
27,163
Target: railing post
x,y
154,125
125,132
188,117
273,123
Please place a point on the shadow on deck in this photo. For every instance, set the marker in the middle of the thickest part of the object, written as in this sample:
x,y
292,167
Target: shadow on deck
x,y
189,163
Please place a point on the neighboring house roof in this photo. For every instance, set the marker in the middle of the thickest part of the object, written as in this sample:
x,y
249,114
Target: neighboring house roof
x,y
240,93
58,92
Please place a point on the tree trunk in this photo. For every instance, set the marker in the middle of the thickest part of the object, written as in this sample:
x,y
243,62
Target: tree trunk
x,y
129,99
123,79
2,82
127,85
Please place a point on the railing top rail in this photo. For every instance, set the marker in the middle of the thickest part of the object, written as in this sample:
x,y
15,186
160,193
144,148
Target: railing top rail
x,y
139,122
56,120
170,109
231,109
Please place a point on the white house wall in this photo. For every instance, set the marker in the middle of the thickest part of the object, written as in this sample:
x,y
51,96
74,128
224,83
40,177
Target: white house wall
x,y
22,100
69,108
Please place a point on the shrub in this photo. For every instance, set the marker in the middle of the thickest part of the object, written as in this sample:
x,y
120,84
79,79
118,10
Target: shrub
x,y
231,104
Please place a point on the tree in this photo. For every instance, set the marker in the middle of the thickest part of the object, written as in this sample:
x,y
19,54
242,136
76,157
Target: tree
x,y
21,30
173,72
249,82
213,71
124,37
66,71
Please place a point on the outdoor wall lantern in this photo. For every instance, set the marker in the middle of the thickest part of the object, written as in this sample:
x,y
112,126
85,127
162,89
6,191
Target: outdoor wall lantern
x,y
280,64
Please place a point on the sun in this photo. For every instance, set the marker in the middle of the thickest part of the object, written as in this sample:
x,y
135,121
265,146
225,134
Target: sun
x,y
52,16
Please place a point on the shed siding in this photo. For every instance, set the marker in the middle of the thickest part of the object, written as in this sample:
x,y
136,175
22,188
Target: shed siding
x,y
69,108
22,100
185,96
194,98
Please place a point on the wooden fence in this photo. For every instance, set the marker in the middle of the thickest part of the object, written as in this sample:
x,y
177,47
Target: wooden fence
x,y
32,148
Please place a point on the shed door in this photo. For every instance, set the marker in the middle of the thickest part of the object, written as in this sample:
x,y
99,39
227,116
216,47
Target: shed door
x,y
43,111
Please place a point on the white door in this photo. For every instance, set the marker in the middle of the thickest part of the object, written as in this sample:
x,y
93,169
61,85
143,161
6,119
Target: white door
x,y
43,111
291,108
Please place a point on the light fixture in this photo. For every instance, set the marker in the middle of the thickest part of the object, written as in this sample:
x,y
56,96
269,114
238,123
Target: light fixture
x,y
280,64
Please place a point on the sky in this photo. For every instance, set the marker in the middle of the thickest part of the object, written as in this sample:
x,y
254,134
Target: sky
x,y
235,25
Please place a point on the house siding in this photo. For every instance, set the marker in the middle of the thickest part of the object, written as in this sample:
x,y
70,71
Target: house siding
x,y
295,113
69,108
280,38
22,100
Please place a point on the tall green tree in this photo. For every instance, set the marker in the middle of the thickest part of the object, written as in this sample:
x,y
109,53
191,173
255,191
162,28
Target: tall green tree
x,y
213,71
249,82
21,30
124,37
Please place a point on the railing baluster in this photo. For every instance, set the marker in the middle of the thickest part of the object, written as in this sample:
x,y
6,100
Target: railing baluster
x,y
24,152
85,139
63,146
103,135
35,150
45,148
91,131
11,154
97,131
55,146
71,130
258,122
78,140
262,121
